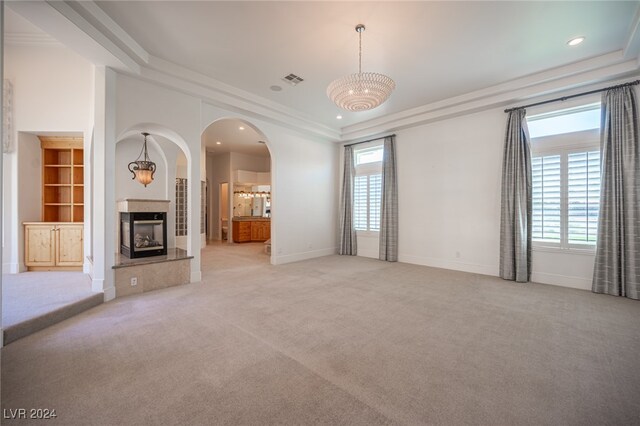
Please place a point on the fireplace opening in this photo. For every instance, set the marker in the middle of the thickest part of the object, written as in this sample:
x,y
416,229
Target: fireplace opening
x,y
143,234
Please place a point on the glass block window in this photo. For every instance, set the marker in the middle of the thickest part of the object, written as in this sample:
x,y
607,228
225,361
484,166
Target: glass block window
x,y
181,207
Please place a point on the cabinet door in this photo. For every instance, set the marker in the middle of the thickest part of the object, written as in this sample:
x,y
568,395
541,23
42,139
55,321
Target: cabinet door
x,y
69,242
39,246
267,231
256,231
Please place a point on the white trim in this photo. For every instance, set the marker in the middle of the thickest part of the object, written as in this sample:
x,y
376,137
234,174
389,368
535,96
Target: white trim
x,y
561,280
296,257
31,39
543,247
196,277
372,254
109,293
449,264
97,284
568,80
9,268
116,30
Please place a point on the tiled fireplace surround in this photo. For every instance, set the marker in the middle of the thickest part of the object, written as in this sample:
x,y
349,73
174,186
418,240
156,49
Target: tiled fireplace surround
x,y
154,272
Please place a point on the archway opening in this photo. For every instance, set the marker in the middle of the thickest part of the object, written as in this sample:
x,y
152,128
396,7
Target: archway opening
x,y
239,205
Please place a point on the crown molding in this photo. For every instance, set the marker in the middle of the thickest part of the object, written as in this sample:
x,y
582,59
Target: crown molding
x,y
216,93
599,69
98,18
86,28
30,39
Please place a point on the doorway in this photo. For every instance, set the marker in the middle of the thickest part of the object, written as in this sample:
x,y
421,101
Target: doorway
x,y
224,211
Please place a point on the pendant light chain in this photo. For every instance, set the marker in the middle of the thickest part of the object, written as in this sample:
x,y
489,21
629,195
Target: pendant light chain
x,y
360,53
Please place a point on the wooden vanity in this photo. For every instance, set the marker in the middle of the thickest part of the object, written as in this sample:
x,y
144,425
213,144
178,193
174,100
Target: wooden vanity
x,y
251,229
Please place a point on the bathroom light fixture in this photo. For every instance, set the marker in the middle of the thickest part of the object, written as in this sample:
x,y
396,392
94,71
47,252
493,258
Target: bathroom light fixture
x,y
218,143
144,169
361,91
575,41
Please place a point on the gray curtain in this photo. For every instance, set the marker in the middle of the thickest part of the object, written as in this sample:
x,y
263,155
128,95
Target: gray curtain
x,y
515,220
617,265
348,241
389,205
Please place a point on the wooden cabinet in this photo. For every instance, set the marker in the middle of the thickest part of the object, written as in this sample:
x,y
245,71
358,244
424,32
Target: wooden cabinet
x,y
245,231
241,231
53,246
62,179
260,231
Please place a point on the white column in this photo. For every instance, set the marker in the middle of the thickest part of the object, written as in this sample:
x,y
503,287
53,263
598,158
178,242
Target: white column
x,y
193,206
104,208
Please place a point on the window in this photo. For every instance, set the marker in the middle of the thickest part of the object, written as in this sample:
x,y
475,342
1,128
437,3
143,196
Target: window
x,y
367,192
566,183
565,121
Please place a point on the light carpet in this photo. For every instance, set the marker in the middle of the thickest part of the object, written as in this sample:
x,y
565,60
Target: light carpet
x,y
335,340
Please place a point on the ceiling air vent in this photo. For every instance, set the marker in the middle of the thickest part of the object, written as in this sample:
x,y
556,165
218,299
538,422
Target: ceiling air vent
x,y
292,79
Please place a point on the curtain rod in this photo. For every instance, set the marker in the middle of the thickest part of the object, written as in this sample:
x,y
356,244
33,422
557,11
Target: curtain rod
x,y
370,140
564,98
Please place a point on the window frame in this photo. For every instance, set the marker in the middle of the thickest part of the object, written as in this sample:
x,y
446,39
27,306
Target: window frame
x,y
367,169
563,145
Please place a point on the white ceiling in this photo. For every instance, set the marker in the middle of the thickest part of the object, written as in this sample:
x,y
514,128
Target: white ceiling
x,y
433,50
232,139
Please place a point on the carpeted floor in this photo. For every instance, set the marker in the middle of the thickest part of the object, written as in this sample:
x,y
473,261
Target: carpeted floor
x,y
335,340
31,294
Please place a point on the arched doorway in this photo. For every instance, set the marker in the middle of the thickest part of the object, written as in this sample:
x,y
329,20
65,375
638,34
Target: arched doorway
x,y
238,170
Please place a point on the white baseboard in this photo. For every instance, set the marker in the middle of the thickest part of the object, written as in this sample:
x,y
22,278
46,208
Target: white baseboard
x,y
449,264
13,268
109,294
561,280
97,284
296,257
196,277
373,254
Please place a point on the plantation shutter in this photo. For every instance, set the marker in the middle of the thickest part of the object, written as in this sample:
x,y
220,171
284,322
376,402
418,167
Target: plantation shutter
x,y
583,189
546,198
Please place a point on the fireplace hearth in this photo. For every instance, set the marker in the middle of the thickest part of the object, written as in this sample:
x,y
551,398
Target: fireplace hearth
x,y
143,234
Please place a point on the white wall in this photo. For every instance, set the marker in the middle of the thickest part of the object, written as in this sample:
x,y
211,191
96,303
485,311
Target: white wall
x,y
162,187
29,183
53,93
218,171
249,162
449,178
304,178
449,192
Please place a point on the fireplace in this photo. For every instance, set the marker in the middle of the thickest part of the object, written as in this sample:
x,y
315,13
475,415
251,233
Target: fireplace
x,y
143,234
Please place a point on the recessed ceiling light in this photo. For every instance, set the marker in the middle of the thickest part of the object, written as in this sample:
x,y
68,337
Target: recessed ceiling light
x,y
218,143
241,128
275,88
575,41
339,117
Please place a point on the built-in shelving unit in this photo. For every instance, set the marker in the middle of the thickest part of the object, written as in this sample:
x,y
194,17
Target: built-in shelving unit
x,y
62,179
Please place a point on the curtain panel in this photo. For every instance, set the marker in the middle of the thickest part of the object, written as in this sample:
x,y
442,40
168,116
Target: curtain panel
x,y
617,264
348,241
389,206
515,219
